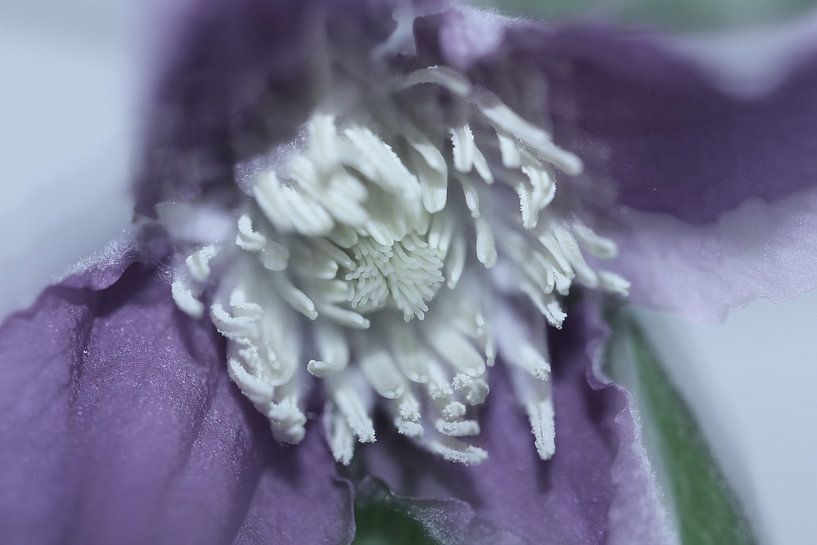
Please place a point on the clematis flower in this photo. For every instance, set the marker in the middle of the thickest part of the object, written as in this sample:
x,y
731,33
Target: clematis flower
x,y
358,222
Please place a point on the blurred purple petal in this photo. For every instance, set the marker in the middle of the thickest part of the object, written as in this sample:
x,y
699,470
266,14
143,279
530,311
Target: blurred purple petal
x,y
657,127
598,488
119,425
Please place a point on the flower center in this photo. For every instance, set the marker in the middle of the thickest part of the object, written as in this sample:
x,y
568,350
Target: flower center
x,y
381,212
408,273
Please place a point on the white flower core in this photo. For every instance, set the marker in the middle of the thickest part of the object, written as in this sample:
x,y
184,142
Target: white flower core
x,y
381,257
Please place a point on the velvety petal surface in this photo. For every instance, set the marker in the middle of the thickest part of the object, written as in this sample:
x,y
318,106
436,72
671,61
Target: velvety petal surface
x,y
118,424
598,488
683,155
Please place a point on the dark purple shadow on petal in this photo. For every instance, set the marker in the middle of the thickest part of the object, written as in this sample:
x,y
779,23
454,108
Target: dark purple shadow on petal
x,y
674,142
119,425
568,500
240,77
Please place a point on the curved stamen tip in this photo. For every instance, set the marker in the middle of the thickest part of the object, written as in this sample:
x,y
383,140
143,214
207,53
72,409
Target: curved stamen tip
x,y
459,452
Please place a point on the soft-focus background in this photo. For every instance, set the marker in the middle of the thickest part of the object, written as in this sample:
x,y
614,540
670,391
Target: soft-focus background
x,y
72,75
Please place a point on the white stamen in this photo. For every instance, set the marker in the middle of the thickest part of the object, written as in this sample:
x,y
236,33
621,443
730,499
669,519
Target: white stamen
x,y
432,172
185,300
234,327
457,451
343,317
343,390
515,343
462,142
474,390
344,236
321,368
381,371
322,137
295,297
333,349
486,248
507,121
335,253
509,149
341,437
386,168
544,190
541,416
459,428
525,349
546,304
198,263
481,166
287,421
439,384
411,356
613,283
438,75
455,262
471,196
584,273
409,429
247,239
274,256
407,417
602,248
455,349
441,232
453,411
256,390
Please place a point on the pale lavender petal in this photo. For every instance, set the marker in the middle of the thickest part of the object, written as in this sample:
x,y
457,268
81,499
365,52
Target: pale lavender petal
x,y
119,425
590,492
760,249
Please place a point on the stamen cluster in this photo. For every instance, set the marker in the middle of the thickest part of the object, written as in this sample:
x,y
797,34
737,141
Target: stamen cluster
x,y
381,257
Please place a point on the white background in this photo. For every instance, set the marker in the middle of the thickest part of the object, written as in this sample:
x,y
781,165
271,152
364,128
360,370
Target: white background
x,y
71,76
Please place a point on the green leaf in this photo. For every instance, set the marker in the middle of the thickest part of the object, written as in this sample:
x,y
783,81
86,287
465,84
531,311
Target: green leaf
x,y
379,523
706,511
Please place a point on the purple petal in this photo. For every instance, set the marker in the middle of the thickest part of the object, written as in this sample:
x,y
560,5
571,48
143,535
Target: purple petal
x,y
119,425
598,488
657,127
671,140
